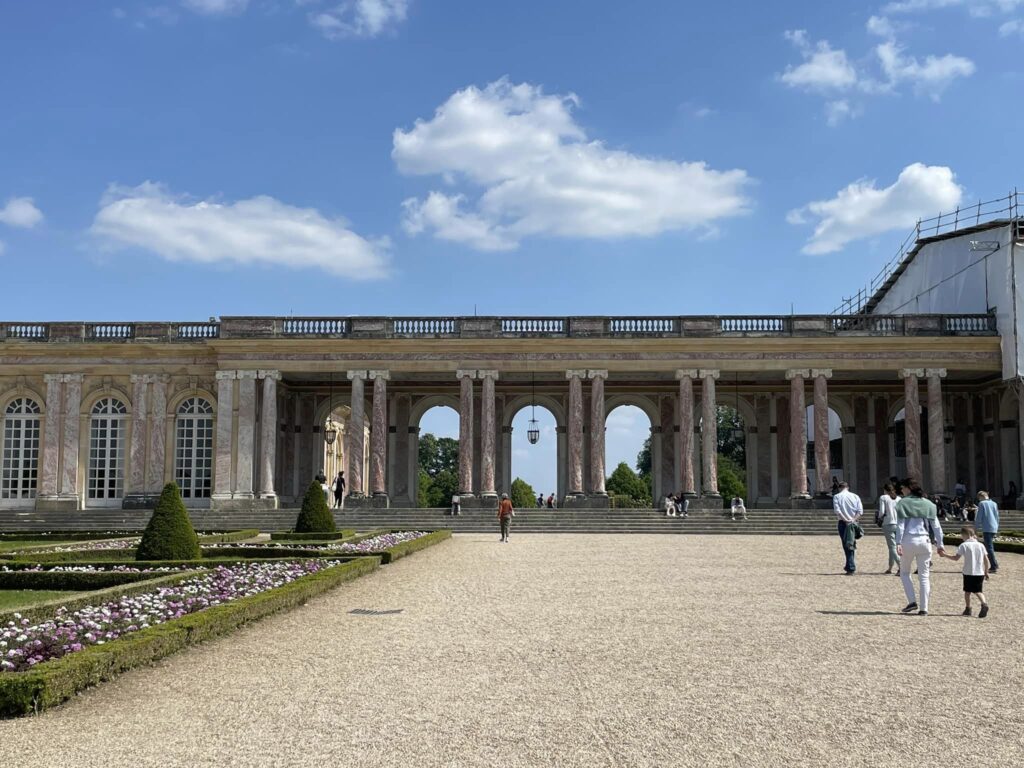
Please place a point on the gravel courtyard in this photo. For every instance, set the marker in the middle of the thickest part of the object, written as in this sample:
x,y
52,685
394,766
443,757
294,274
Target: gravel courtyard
x,y
580,650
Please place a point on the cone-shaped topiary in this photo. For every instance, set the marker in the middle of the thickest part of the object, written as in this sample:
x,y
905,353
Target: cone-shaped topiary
x,y
315,516
169,535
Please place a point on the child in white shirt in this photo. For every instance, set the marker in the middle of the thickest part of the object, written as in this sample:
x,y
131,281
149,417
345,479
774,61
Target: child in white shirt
x,y
975,568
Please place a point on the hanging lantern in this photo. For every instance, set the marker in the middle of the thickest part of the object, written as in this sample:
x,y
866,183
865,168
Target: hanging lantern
x,y
331,430
533,433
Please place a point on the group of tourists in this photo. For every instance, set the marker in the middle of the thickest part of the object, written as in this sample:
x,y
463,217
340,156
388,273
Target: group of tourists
x,y
551,502
911,523
677,505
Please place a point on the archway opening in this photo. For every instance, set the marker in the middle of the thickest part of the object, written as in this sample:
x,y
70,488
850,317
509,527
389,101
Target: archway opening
x,y
629,457
437,466
732,453
333,459
835,451
534,467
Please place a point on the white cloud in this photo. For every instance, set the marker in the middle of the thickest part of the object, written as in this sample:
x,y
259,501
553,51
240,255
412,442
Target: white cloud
x,y
216,7
260,230
862,210
839,110
931,76
979,8
541,176
824,68
20,212
881,26
360,18
1013,27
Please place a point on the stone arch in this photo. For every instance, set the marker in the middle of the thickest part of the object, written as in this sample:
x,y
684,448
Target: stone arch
x,y
99,393
19,392
174,402
748,414
651,410
843,409
416,412
557,409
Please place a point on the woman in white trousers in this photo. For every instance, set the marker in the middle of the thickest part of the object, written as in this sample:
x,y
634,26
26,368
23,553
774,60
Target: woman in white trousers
x,y
917,528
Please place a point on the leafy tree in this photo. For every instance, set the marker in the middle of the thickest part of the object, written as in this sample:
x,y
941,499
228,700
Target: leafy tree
x,y
729,419
643,465
523,496
625,482
169,535
441,489
423,489
315,516
730,479
438,454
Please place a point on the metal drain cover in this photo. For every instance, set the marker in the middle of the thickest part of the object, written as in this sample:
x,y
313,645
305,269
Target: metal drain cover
x,y
370,612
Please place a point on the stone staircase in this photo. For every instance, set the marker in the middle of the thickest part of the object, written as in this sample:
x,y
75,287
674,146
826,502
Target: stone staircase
x,y
764,522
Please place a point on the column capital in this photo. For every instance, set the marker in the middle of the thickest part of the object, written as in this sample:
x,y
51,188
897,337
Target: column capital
x,y
597,374
275,375
906,373
53,378
134,378
487,375
72,377
708,373
576,373
687,373
825,372
227,375
798,373
465,374
386,375
356,375
939,372
247,374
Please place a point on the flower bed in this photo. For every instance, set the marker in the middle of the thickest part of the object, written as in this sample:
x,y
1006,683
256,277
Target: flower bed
x,y
393,545
345,533
77,650
77,577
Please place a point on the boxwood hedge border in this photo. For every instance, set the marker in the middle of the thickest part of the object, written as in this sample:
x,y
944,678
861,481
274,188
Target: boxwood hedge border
x,y
999,546
73,581
344,533
405,548
53,682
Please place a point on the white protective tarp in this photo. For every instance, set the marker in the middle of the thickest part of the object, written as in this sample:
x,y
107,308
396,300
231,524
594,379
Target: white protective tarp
x,y
947,277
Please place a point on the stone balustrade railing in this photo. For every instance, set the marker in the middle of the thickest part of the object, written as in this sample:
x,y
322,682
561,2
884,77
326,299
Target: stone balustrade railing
x,y
696,326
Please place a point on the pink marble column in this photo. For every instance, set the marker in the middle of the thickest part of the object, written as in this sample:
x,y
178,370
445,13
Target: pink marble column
x,y
822,458
157,434
936,430
465,431
912,420
51,436
246,453
488,441
355,434
575,431
379,433
268,434
72,429
225,434
689,481
797,433
709,433
137,443
597,468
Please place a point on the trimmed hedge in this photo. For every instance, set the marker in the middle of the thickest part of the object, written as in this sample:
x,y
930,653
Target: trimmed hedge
x,y
109,556
53,682
169,533
71,581
206,562
399,551
46,610
344,533
123,556
999,546
315,516
229,536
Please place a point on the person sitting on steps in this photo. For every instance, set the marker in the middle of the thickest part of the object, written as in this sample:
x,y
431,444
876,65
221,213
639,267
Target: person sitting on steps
x,y
738,508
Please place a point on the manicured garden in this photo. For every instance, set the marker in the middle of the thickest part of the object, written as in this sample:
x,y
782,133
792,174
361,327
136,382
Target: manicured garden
x,y
74,612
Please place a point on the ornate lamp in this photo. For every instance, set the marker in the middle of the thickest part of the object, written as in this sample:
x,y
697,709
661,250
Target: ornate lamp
x,y
533,433
331,430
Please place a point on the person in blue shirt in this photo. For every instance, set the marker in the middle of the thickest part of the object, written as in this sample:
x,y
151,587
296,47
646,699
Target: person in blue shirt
x,y
986,520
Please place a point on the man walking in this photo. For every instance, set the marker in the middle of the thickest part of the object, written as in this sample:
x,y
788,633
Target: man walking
x,y
505,515
986,520
848,508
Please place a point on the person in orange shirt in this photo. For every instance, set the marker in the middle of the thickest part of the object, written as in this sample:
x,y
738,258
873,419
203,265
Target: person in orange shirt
x,y
505,515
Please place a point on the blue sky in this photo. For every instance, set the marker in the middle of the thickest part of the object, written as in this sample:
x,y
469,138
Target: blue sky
x,y
178,159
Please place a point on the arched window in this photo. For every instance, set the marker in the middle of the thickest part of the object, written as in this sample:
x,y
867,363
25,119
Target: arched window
x,y
193,448
105,485
20,461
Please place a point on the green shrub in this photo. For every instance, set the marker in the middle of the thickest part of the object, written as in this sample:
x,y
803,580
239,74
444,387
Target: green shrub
x,y
344,533
999,546
620,501
625,482
523,495
169,534
71,581
228,536
53,682
315,516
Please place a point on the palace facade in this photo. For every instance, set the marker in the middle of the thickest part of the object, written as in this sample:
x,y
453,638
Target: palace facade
x,y
243,412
